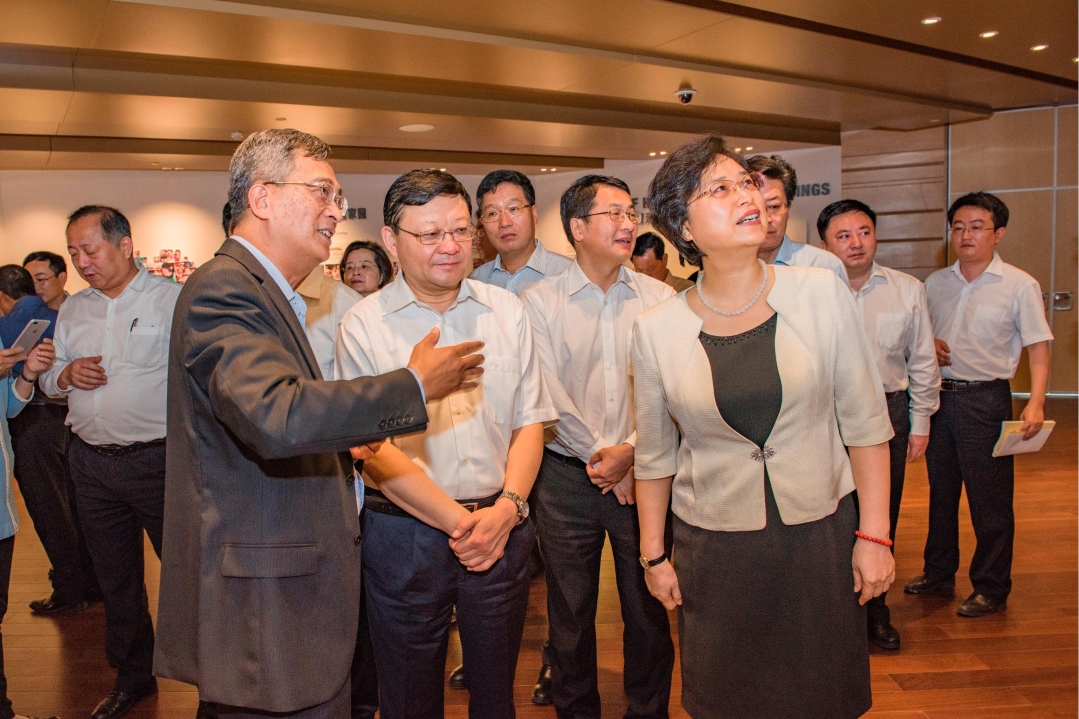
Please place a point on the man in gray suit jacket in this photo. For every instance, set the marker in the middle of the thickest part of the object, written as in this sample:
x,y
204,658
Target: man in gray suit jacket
x,y
260,575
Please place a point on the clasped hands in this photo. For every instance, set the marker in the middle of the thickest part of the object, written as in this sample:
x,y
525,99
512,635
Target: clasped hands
x,y
479,540
611,469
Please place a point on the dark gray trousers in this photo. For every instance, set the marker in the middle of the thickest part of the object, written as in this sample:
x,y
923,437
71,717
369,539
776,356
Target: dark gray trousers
x,y
574,518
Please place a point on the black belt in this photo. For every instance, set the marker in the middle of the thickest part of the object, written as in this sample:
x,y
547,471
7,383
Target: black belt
x,y
565,459
376,501
115,450
962,385
891,395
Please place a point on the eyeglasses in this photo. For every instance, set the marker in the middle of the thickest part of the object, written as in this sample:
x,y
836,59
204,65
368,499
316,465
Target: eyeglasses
x,y
974,229
493,215
42,280
618,215
722,189
462,235
329,194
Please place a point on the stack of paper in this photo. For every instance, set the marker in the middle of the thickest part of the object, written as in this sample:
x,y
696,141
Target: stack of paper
x,y
1011,439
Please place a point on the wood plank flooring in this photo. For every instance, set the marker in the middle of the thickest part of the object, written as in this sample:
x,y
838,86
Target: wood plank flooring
x,y
1021,664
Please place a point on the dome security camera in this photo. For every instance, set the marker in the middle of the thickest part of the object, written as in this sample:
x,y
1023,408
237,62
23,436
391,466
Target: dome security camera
x,y
685,95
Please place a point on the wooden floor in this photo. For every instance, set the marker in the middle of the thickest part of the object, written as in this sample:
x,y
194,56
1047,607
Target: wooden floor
x,y
1019,664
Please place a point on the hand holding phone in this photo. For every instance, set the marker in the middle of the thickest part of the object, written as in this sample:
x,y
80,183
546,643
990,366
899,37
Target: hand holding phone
x,y
30,335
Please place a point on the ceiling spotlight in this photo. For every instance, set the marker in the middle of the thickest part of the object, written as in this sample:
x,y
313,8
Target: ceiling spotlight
x,y
931,20
178,169
651,154
748,148
237,135
1075,59
442,169
989,34
1039,48
155,164
737,149
418,127
554,169
663,152
543,169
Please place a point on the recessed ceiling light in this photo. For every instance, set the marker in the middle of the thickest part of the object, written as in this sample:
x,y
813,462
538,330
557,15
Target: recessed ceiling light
x,y
178,169
737,149
663,152
543,169
1075,59
931,20
155,164
1039,48
554,169
280,119
166,168
418,127
989,34
237,135
748,148
651,154
442,169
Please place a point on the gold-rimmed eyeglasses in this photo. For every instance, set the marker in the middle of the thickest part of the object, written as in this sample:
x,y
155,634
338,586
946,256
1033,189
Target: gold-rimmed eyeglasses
x,y
329,194
617,215
461,235
722,189
494,214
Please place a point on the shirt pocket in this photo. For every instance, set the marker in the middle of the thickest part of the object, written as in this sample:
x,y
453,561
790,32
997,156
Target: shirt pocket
x,y
501,378
989,323
892,331
146,346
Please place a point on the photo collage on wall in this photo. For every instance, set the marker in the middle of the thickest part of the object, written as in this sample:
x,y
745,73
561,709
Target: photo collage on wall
x,y
170,264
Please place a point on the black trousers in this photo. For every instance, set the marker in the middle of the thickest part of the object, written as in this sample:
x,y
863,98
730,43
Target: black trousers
x,y
364,674
574,518
7,549
413,580
899,414
961,439
119,496
40,441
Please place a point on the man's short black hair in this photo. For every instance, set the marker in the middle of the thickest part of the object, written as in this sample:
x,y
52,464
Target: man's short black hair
x,y
16,282
226,219
776,168
988,202
649,241
492,180
417,188
842,207
578,198
114,226
56,262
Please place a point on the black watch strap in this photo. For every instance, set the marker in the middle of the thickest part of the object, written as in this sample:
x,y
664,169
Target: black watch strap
x,y
649,563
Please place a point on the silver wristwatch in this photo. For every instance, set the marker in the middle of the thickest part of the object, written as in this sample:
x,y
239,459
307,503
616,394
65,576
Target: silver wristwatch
x,y
522,504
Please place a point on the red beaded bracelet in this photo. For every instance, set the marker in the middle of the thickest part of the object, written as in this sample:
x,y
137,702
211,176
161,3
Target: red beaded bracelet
x,y
866,537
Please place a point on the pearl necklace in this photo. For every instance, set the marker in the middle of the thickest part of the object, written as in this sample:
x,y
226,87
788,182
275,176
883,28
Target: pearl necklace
x,y
760,291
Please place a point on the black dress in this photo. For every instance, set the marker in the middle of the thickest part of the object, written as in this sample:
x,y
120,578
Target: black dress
x,y
770,625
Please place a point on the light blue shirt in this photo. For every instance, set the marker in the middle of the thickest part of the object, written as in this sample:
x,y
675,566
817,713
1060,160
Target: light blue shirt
x,y
295,301
798,254
542,263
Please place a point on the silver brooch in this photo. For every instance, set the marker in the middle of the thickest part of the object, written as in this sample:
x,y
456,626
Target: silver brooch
x,y
759,455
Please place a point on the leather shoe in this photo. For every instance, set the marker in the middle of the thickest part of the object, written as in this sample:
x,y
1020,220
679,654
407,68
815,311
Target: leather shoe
x,y
979,605
457,678
541,693
52,605
927,585
118,703
884,635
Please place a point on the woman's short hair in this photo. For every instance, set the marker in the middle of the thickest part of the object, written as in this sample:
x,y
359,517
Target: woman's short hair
x,y
678,182
382,260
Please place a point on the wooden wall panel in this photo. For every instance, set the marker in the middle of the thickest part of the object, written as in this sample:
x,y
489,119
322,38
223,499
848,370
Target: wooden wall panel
x,y
910,225
1066,324
1067,146
1027,242
1007,151
901,198
918,253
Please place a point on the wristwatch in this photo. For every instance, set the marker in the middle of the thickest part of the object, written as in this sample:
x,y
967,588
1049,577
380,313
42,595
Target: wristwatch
x,y
649,563
522,504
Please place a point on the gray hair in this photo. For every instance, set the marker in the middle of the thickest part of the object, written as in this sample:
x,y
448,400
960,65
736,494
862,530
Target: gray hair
x,y
267,156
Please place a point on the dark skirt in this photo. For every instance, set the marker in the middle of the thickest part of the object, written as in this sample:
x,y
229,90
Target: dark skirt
x,y
770,625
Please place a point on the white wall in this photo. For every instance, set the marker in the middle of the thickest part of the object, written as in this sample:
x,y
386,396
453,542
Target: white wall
x,y
182,210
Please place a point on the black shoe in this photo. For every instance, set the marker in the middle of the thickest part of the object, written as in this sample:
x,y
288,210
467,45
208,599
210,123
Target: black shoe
x,y
206,711
927,585
884,635
457,678
118,703
52,605
979,605
541,693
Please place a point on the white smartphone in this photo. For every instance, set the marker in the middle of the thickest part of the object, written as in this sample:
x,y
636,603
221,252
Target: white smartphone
x,y
30,335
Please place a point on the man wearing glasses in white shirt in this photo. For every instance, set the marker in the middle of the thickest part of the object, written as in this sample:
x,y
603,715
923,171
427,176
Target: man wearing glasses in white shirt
x,y
424,551
582,320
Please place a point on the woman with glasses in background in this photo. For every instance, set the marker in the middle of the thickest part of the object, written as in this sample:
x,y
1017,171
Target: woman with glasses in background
x,y
365,267
751,389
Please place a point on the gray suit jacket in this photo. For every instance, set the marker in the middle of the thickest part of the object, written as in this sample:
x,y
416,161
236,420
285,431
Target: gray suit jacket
x,y
260,566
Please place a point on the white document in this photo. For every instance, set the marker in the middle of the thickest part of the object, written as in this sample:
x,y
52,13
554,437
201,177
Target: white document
x,y
1011,439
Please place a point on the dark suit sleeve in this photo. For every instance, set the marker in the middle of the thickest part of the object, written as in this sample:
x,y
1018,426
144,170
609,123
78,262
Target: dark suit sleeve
x,y
259,389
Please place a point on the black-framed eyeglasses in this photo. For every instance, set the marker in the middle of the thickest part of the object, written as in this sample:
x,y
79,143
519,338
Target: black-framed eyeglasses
x,y
722,189
617,215
974,229
494,214
329,194
461,235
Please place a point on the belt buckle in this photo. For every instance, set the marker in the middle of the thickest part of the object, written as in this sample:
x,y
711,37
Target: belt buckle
x,y
470,506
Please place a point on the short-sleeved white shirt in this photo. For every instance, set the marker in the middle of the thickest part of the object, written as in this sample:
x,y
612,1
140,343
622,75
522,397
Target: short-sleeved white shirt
x,y
987,322
466,445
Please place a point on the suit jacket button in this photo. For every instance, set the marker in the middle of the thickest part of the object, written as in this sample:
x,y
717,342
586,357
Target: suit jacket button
x,y
382,424
349,480
357,540
408,419
391,422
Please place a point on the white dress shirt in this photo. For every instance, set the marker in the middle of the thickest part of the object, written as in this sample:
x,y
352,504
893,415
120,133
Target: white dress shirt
x,y
295,301
327,302
896,317
131,334
542,263
466,445
800,254
987,322
583,339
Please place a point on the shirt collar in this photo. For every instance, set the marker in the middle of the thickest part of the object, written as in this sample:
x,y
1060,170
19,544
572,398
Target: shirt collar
x,y
996,267
397,295
876,276
786,252
577,280
270,268
535,260
137,284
